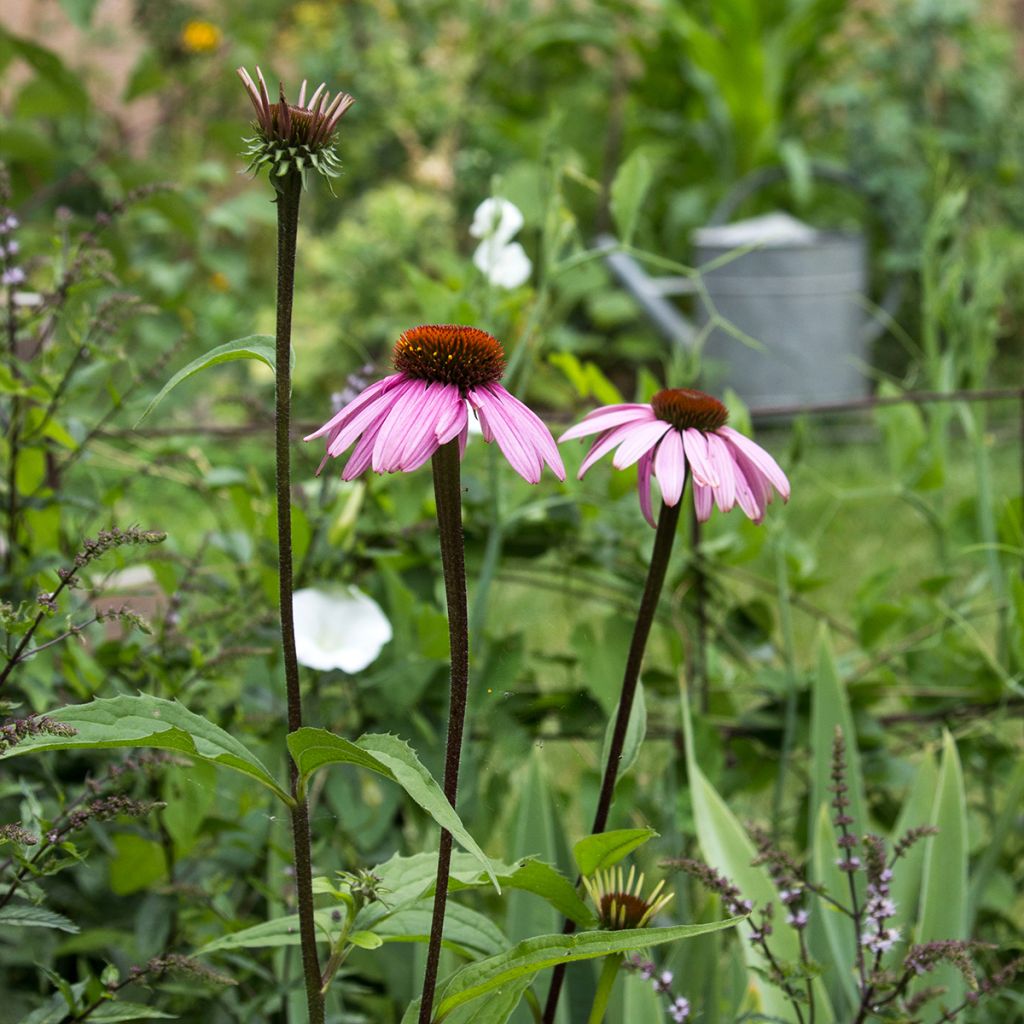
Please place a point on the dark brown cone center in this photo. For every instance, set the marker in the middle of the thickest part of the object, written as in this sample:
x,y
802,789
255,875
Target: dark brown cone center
x,y
450,354
686,408
611,910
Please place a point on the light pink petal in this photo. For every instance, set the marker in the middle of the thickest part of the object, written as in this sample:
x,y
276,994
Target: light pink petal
x,y
670,467
696,446
702,501
424,423
454,417
424,450
531,427
643,485
760,458
521,454
615,408
356,404
746,499
463,438
407,410
604,444
605,420
721,458
378,409
359,460
760,486
642,438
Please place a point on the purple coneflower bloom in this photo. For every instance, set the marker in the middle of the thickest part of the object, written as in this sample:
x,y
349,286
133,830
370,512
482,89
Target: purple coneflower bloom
x,y
402,420
681,429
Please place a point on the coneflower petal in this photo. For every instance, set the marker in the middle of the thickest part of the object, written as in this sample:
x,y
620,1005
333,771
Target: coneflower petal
x,y
670,467
764,462
696,446
642,438
608,419
643,483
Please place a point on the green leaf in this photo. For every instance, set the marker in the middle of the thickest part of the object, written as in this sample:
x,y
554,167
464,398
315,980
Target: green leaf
x,y
137,863
466,931
255,346
394,759
36,917
915,812
728,849
280,931
152,722
837,928
829,709
366,940
595,853
121,1011
629,188
636,730
944,875
518,965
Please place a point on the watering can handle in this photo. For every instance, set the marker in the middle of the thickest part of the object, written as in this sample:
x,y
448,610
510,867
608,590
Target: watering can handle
x,y
746,187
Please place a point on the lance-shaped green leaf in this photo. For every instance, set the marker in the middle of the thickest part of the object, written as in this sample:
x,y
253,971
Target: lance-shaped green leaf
x,y
36,917
636,730
153,722
944,875
601,851
395,760
516,967
262,347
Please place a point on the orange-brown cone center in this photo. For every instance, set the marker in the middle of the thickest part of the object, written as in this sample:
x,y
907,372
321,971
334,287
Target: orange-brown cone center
x,y
622,910
450,354
686,408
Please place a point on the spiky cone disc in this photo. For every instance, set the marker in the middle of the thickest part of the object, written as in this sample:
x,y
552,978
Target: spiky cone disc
x,y
619,899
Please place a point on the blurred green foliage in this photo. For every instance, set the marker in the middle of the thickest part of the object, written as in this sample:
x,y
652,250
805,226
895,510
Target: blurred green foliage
x,y
904,537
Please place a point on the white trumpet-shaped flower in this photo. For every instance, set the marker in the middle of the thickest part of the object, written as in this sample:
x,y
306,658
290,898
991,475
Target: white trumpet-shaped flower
x,y
503,262
338,627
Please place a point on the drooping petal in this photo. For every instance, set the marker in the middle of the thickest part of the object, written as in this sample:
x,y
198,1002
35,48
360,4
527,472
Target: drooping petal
x,y
703,500
642,438
643,486
412,405
670,467
605,419
721,458
760,486
373,413
764,462
356,404
531,427
453,420
362,454
604,444
424,424
696,446
522,456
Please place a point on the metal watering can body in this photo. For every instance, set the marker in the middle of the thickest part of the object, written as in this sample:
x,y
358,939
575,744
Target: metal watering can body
x,y
800,300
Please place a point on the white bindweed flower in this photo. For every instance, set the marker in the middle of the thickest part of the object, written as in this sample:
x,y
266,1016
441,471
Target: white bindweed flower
x,y
506,266
338,627
496,219
503,262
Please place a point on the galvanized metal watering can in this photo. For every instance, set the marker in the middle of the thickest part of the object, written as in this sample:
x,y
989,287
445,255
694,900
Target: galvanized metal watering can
x,y
801,297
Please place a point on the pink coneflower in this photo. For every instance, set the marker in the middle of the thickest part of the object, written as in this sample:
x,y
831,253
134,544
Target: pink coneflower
x,y
443,369
683,428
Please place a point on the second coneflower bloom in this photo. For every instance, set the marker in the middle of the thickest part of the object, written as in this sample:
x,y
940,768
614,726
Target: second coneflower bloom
x,y
445,373
620,901
684,429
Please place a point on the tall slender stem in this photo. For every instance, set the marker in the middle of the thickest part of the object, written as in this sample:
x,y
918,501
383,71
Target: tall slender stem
x,y
448,497
665,536
289,192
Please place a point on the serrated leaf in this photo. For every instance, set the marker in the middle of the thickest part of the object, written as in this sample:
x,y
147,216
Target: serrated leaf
x,y
518,965
628,190
261,347
36,917
395,760
601,851
151,722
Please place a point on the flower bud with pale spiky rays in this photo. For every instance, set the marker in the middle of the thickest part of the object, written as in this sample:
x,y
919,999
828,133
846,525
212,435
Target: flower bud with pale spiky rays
x,y
290,138
619,899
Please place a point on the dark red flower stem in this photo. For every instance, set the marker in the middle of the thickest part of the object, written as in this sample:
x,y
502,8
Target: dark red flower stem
x,y
664,538
448,498
289,192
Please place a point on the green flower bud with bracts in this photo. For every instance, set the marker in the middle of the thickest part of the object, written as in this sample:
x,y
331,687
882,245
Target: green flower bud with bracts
x,y
292,138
